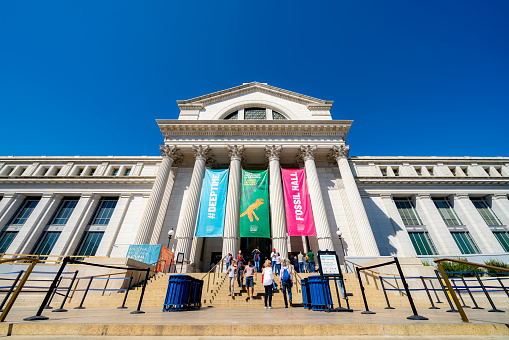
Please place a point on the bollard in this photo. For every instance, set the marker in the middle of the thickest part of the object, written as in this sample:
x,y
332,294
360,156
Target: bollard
x,y
435,291
10,290
459,294
62,309
493,308
85,294
126,293
470,294
385,293
452,310
503,287
429,295
48,306
407,290
139,311
367,311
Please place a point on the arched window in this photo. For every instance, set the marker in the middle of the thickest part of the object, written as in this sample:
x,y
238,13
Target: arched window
x,y
255,113
233,115
278,116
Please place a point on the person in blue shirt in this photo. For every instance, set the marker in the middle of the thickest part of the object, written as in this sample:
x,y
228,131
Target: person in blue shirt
x,y
256,259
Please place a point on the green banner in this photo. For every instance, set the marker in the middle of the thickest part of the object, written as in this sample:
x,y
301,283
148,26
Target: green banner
x,y
254,204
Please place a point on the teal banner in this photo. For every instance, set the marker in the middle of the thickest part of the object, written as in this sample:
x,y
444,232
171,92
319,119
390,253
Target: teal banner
x,y
212,204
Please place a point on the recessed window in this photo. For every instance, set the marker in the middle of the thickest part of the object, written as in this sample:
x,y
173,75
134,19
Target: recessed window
x,y
80,171
486,212
396,171
422,243
127,171
453,170
383,171
92,172
447,212
418,170
503,238
115,172
430,170
465,242
278,116
499,170
255,113
233,116
407,211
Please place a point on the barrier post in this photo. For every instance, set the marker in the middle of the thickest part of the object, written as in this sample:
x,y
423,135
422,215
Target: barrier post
x,y
459,294
452,310
407,290
503,287
48,306
11,301
470,294
85,294
434,291
429,295
139,311
385,293
367,311
453,294
493,308
39,315
126,293
10,290
62,309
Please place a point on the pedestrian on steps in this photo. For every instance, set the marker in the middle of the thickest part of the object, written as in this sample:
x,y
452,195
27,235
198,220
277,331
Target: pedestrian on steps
x,y
286,282
256,258
240,271
231,278
273,256
268,280
278,263
250,273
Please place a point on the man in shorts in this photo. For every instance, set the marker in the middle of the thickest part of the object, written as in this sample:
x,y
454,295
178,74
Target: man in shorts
x,y
249,273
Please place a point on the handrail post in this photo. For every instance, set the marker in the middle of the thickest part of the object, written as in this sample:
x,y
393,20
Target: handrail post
x,y
459,294
470,293
367,311
106,285
409,296
139,311
435,291
10,290
374,279
366,277
493,308
429,295
126,293
385,294
14,296
62,309
503,287
85,294
74,290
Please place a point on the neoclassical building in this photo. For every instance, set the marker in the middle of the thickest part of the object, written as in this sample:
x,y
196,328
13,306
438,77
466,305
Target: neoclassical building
x,y
383,206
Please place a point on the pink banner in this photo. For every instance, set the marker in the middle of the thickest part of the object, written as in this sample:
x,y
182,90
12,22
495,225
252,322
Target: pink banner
x,y
299,217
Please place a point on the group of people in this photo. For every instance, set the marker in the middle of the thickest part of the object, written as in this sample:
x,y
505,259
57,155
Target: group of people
x,y
304,263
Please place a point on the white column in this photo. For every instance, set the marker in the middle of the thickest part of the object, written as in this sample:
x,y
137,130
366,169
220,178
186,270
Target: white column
x,y
476,225
277,203
500,205
187,220
231,221
369,247
436,226
116,220
156,233
315,195
39,216
70,236
169,153
8,206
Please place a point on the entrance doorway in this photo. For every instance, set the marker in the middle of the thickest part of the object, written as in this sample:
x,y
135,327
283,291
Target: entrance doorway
x,y
248,244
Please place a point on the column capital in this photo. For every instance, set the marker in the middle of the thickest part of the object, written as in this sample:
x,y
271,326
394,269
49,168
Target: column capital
x,y
498,196
307,152
386,196
172,152
422,196
201,151
461,196
236,152
273,152
339,151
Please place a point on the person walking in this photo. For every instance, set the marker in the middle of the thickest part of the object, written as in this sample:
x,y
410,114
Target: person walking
x,y
249,273
256,258
240,272
268,280
231,278
228,260
311,260
301,259
278,263
295,263
286,282
239,255
273,256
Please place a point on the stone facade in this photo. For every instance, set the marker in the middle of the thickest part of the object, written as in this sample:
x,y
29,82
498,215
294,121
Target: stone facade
x,y
257,126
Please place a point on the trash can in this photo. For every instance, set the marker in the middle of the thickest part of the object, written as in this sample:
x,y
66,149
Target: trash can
x,y
177,294
196,289
317,288
306,297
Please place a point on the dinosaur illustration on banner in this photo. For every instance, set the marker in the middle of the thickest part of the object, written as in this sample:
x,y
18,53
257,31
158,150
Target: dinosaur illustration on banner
x,y
250,210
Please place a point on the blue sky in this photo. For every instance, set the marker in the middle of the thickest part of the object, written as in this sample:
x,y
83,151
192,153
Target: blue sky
x,y
418,78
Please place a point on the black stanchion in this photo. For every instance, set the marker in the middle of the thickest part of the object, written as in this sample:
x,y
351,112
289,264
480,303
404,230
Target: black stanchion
x,y
62,309
85,294
429,295
501,284
367,311
405,284
470,294
452,310
139,311
435,291
44,303
10,290
126,293
48,306
493,308
385,293
459,294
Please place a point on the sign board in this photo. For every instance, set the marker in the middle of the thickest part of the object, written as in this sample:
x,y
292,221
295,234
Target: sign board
x,y
328,263
180,258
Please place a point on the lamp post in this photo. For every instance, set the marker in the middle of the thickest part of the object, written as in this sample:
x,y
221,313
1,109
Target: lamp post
x,y
170,234
339,233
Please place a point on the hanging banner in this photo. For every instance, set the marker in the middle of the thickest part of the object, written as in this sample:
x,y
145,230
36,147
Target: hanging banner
x,y
212,204
254,205
299,217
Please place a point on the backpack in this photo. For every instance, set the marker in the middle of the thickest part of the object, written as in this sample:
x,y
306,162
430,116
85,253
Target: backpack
x,y
286,275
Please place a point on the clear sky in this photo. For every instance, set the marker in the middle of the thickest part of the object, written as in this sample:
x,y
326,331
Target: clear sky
x,y
417,77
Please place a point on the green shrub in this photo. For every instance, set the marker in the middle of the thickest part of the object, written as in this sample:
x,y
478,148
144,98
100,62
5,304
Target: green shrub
x,y
496,263
460,267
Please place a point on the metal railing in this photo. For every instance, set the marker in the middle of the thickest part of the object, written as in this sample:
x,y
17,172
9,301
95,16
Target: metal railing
x,y
216,269
43,259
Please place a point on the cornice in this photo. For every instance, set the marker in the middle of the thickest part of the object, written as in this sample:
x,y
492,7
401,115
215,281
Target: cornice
x,y
79,180
431,180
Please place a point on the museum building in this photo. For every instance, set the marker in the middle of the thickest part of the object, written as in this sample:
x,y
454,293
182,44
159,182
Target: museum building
x,y
378,206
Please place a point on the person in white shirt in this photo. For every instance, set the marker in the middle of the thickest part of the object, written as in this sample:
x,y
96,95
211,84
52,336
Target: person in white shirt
x,y
273,256
268,280
278,263
231,277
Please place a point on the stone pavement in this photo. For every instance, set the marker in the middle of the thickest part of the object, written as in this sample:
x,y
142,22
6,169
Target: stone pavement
x,y
227,321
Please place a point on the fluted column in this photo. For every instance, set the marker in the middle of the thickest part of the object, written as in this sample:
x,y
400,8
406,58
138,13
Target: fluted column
x,y
277,203
187,221
369,247
315,195
231,221
500,205
169,154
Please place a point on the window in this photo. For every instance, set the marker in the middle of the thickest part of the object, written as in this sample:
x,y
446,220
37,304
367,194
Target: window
x,y
422,243
89,243
485,210
418,171
254,113
407,211
80,172
63,212
396,171
233,116
499,170
383,171
6,239
127,171
278,116
115,172
465,242
92,172
503,238
447,212
430,170
104,211
453,170
45,243
23,212
44,171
